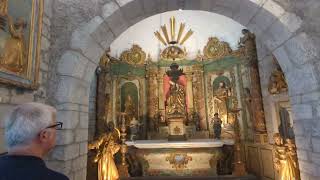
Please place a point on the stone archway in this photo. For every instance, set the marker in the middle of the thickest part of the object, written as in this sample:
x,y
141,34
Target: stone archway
x,y
278,32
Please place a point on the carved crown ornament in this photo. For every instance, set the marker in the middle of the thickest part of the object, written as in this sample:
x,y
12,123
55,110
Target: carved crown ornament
x,y
216,49
174,44
134,56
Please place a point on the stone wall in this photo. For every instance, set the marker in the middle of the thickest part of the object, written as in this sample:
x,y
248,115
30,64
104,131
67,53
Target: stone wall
x,y
80,31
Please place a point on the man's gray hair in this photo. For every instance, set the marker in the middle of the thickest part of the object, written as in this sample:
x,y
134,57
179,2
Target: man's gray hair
x,y
26,121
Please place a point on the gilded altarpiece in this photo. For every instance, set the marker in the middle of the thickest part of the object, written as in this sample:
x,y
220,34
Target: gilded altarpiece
x,y
20,37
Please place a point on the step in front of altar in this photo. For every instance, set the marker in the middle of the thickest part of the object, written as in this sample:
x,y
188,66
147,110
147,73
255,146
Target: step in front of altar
x,y
197,157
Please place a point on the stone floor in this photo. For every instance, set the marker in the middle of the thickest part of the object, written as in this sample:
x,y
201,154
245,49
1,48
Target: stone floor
x,y
249,177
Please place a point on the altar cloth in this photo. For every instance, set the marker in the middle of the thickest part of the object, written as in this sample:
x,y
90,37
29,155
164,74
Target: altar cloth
x,y
192,143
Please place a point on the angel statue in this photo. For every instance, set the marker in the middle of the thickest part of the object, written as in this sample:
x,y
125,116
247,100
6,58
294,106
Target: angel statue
x,y
107,145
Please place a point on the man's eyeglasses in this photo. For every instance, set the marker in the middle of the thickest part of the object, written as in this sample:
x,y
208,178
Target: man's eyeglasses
x,y
57,125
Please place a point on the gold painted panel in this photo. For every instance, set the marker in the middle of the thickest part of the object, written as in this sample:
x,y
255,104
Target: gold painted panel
x,y
20,37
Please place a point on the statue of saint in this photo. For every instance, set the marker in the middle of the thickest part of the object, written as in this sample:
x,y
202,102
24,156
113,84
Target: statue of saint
x,y
14,56
134,128
285,161
216,121
129,109
174,89
277,82
220,97
107,145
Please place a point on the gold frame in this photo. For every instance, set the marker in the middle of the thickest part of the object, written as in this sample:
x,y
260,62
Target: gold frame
x,y
30,80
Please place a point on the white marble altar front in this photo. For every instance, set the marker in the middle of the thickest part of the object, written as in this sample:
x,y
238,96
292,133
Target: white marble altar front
x,y
191,143
194,157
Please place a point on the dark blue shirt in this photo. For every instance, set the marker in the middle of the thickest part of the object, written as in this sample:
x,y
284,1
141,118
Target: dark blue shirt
x,y
14,167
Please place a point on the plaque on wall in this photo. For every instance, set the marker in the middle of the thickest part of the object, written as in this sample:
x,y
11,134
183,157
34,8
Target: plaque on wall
x,y
20,37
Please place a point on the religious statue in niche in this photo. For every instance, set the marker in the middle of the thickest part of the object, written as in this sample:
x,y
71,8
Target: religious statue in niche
x,y
277,81
247,42
134,129
175,93
107,145
285,128
129,108
20,33
285,161
221,97
216,121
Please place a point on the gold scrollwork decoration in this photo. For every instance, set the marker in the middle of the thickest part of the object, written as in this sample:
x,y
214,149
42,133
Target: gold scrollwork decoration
x,y
134,56
173,53
179,161
216,49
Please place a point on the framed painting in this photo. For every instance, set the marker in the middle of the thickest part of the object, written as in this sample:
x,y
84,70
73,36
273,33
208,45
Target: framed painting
x,y
20,38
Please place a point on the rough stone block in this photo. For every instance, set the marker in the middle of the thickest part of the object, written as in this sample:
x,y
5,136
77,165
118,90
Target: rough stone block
x,y
269,12
109,8
162,6
303,143
298,128
302,111
71,90
83,148
283,59
117,23
222,10
132,10
103,35
46,20
80,174
316,144
72,64
64,167
79,163
70,119
297,82
246,12
315,157
291,21
67,152
276,35
300,49
65,137
308,167
84,120
123,2
89,71
176,4
18,98
150,7
81,135
192,5
302,155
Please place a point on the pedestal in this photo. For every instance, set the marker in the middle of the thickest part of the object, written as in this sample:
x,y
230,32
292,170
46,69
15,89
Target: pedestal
x,y
177,129
261,138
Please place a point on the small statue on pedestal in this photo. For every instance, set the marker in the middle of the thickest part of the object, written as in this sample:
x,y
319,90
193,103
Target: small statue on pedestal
x,y
217,126
134,128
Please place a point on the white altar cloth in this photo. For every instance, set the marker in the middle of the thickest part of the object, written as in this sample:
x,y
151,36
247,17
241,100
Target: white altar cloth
x,y
191,143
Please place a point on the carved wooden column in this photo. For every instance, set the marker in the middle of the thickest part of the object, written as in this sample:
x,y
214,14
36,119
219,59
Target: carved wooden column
x,y
250,52
101,98
152,94
189,91
160,90
198,95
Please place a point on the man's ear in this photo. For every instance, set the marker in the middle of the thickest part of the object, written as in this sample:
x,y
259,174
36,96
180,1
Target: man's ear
x,y
44,135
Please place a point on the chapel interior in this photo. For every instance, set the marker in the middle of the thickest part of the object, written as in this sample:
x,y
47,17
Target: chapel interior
x,y
161,89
